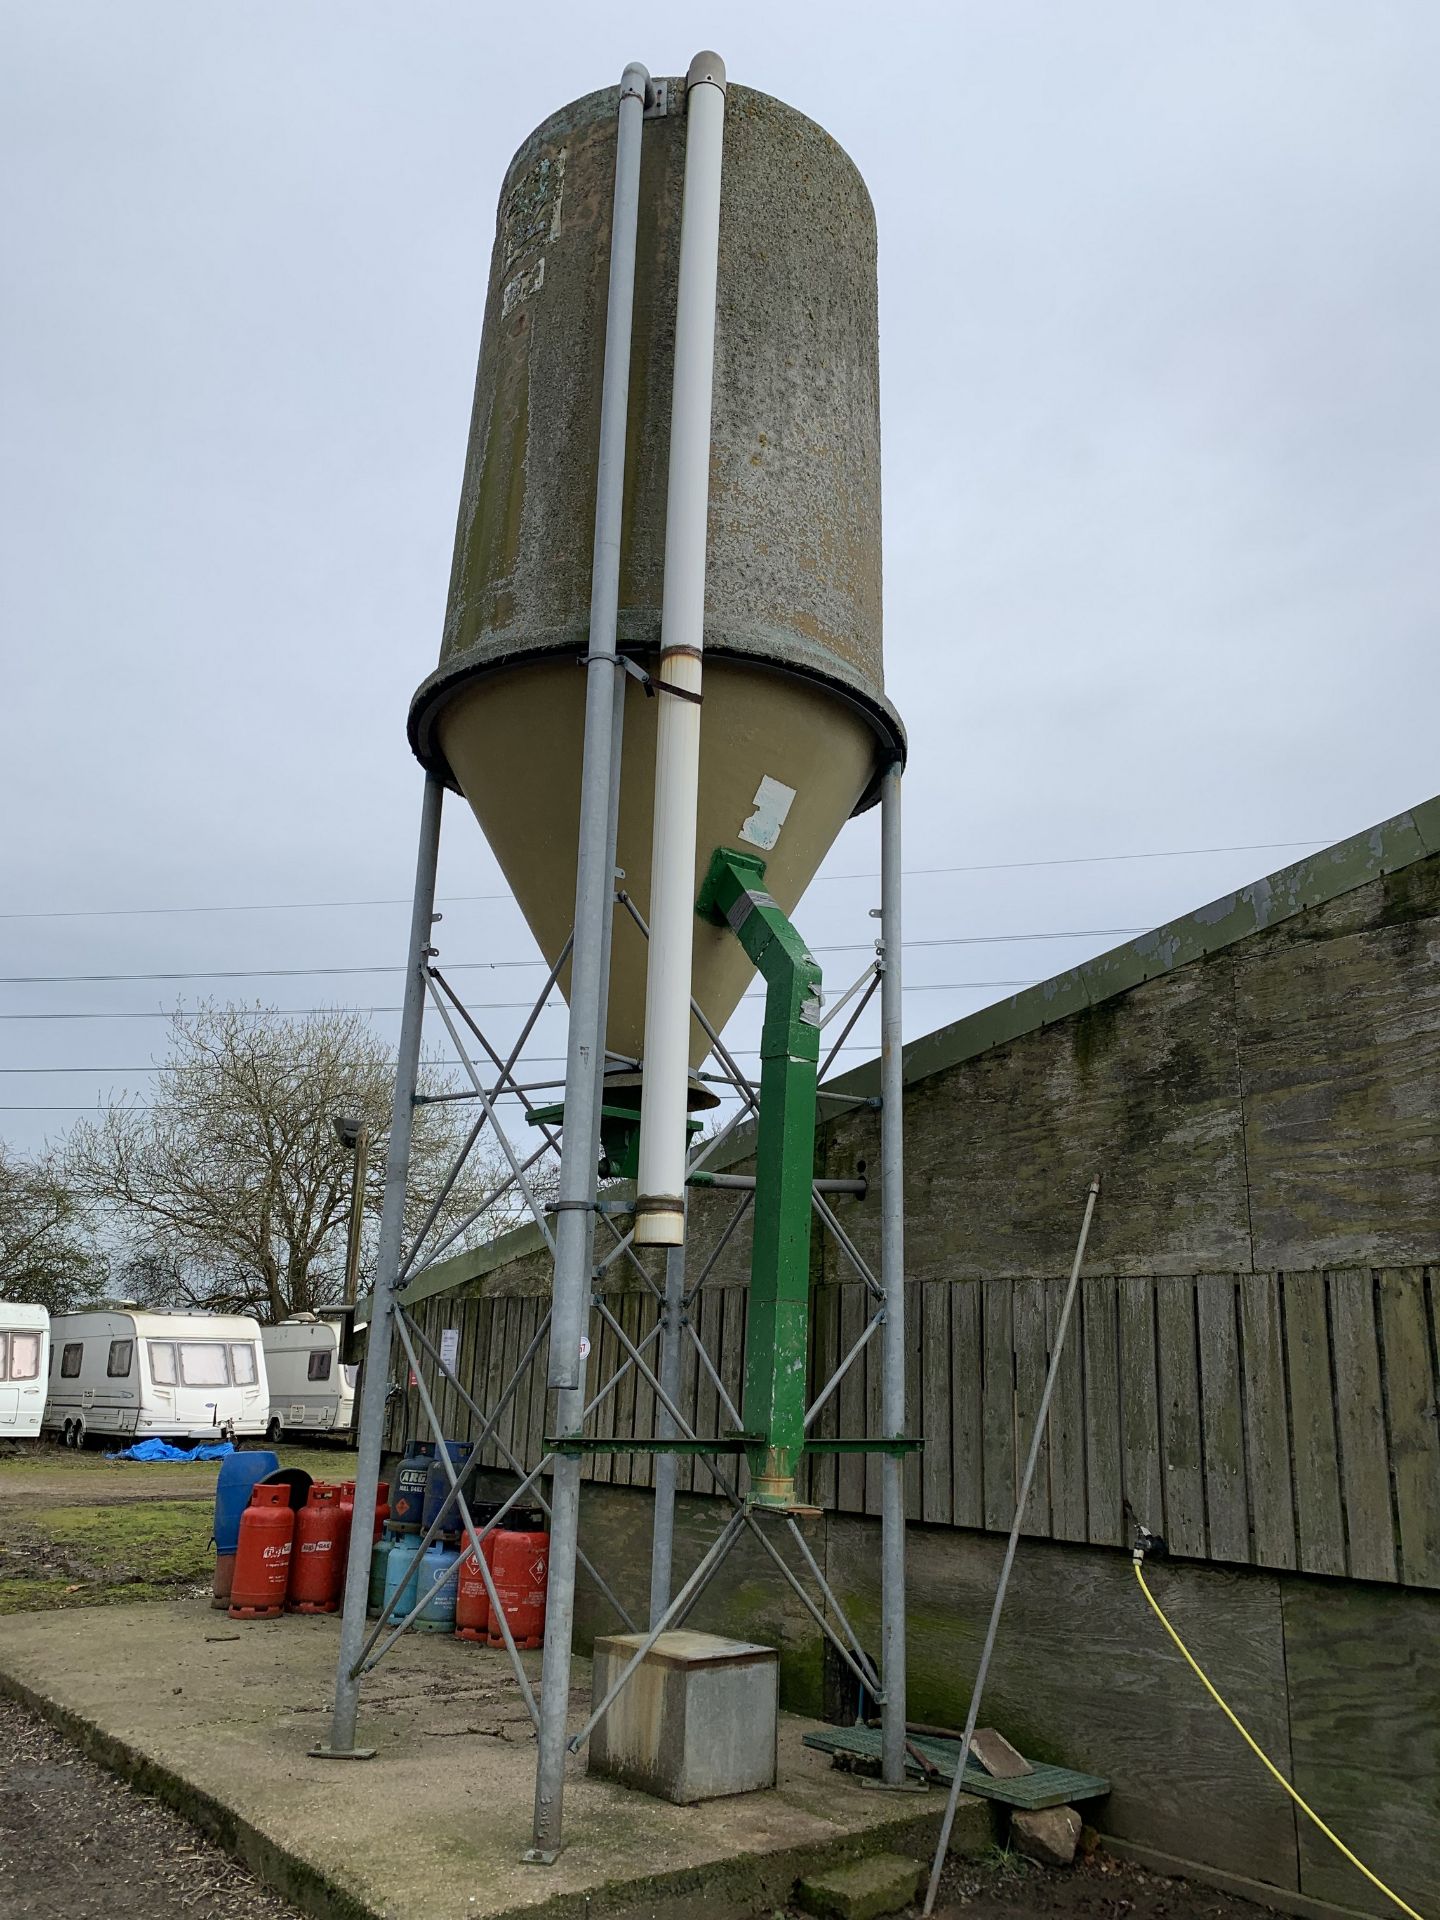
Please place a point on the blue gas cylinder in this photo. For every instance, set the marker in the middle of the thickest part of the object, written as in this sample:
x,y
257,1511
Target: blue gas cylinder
x,y
407,1486
238,1474
438,1615
437,1486
402,1564
379,1555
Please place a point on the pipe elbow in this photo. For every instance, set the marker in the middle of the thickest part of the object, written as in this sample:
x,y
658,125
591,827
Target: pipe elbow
x,y
706,70
635,83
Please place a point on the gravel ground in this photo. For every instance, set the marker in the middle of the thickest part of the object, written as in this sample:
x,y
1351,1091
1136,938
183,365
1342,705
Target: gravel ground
x,y
78,1844
1098,1888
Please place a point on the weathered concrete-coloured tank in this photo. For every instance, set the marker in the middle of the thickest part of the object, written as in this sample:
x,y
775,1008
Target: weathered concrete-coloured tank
x,y
794,699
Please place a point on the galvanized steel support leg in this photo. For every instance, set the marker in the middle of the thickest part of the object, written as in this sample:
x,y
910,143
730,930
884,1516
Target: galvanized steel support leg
x,y
387,1267
892,1274
662,1537
585,1048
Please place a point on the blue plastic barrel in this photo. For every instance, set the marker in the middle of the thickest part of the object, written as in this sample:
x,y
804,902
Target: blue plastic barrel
x,y
439,1611
239,1473
407,1486
401,1566
437,1485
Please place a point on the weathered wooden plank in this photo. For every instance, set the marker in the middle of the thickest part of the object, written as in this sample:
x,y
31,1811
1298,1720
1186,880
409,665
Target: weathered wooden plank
x,y
1360,1417
932,1413
998,1406
1104,1474
622,1472
469,1315
874,1365
509,1429
914,1335
605,1358
1067,1419
823,1362
1363,1665
1267,1426
850,1477
494,1371
732,1370
1405,1324
1319,1520
967,1403
1222,1420
689,1374
1183,1464
708,1311
640,1320
1027,1331
1140,1444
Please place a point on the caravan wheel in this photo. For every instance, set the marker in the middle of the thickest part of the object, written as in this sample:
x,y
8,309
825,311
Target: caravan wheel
x,y
272,1432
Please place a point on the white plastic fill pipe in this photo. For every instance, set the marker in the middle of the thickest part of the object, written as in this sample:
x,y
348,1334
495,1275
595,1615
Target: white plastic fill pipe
x,y
660,1203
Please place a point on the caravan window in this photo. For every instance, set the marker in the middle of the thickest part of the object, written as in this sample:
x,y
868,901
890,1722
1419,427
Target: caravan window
x,y
121,1352
319,1366
25,1356
70,1359
242,1365
202,1364
162,1361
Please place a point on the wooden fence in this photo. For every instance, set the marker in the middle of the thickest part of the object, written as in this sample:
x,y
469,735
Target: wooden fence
x,y
1274,1420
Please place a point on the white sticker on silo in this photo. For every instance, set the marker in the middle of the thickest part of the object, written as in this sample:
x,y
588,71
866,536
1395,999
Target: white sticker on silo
x,y
773,800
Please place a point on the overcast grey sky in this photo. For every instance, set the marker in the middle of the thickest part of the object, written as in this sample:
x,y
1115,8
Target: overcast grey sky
x,y
1160,299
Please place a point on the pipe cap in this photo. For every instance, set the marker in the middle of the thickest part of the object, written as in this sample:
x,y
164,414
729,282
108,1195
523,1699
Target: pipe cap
x,y
706,69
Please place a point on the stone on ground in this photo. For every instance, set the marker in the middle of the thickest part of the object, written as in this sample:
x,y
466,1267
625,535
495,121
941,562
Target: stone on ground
x,y
861,1889
995,1753
1049,1835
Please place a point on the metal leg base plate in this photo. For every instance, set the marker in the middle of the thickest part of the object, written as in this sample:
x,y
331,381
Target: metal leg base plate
x,y
540,1856
877,1785
323,1752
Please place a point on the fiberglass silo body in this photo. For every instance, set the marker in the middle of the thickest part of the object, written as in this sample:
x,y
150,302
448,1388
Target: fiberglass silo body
x,y
793,699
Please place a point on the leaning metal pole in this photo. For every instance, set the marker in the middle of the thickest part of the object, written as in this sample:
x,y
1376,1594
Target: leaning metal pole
x,y
892,1274
585,1047
341,1744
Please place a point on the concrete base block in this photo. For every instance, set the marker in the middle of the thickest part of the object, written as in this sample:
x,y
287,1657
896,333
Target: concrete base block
x,y
697,1721
861,1889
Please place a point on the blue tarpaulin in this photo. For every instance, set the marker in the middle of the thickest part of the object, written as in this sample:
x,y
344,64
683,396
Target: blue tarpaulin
x,y
162,1450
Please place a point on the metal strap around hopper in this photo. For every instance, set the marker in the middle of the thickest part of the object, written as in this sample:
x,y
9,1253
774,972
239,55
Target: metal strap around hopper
x,y
1041,1787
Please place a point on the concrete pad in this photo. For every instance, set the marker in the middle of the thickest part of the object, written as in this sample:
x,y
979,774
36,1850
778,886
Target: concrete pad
x,y
861,1889
216,1717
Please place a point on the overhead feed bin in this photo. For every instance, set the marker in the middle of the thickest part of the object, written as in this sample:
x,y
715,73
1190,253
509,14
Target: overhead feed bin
x,y
796,726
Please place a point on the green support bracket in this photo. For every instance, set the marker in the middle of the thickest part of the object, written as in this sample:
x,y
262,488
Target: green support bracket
x,y
777,1340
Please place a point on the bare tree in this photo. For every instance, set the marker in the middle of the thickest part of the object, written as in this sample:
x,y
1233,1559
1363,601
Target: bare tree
x,y
47,1251
233,1190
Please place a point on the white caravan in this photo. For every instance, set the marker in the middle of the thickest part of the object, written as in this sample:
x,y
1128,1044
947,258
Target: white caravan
x,y
127,1375
311,1390
24,1345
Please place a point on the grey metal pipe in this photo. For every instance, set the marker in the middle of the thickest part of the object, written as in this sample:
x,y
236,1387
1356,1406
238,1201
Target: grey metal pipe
x,y
1042,1415
371,1435
892,1274
745,1183
585,1045
662,1532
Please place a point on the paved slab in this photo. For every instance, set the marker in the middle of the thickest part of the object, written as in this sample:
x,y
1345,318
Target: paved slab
x,y
216,1718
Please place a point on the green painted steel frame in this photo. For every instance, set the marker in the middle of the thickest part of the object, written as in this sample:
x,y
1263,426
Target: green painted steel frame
x,y
777,1337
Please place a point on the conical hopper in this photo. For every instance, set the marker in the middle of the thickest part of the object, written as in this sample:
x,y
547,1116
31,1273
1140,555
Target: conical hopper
x,y
795,725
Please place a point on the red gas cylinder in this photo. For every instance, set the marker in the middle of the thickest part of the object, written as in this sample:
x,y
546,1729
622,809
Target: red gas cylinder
x,y
317,1566
262,1558
347,1515
520,1566
472,1602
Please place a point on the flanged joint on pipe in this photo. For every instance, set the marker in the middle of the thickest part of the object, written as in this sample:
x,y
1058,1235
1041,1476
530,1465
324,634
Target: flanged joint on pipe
x,y
660,1202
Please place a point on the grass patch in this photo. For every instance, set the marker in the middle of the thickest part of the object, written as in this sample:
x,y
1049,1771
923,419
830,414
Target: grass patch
x,y
73,1556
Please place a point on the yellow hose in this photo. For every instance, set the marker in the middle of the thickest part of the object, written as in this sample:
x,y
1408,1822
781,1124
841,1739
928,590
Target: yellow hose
x,y
1263,1757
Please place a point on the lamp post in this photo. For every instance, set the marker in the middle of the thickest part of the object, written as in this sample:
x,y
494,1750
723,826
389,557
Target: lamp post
x,y
354,1135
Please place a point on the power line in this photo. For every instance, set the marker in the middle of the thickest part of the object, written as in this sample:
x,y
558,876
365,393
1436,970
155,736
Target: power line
x,y
476,1006
456,899
487,966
